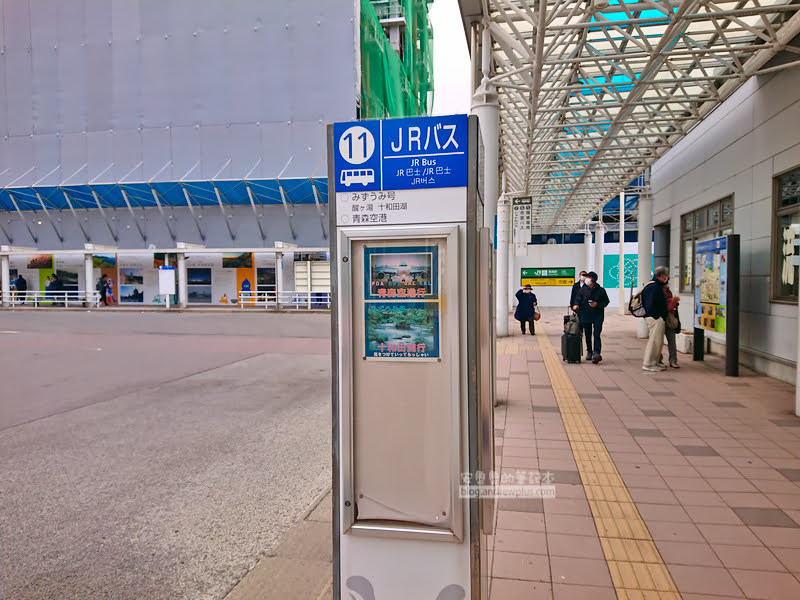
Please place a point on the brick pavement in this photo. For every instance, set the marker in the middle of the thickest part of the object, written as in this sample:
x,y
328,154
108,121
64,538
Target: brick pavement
x,y
676,484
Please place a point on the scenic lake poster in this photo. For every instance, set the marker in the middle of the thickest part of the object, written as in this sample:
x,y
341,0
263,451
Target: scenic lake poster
x,y
402,329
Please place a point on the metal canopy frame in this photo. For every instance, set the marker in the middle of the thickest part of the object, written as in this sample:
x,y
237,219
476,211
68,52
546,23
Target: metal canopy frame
x,y
592,92
163,194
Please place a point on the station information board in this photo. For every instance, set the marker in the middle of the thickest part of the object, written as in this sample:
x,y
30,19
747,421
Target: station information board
x,y
541,277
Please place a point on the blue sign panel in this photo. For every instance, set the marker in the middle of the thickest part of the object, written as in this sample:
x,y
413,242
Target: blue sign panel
x,y
712,245
401,154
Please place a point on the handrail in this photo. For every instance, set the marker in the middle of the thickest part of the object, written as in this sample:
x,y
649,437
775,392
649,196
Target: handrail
x,y
292,299
62,299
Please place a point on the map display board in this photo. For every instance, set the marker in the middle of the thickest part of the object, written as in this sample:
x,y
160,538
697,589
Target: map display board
x,y
711,284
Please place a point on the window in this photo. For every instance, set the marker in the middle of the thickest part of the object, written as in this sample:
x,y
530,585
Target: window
x,y
786,237
703,224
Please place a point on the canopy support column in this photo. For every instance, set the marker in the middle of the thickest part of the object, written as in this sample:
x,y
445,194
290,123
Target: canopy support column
x,y
621,269
599,233
645,249
502,276
5,275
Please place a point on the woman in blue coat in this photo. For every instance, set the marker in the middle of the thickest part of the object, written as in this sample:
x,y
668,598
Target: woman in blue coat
x,y
526,309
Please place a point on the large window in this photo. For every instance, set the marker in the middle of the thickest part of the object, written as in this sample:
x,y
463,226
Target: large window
x,y
707,223
786,237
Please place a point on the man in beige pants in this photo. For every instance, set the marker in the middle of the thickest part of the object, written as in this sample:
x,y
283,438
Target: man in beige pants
x,y
655,305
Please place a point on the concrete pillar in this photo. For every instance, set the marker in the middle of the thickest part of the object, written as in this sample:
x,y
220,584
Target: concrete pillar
x,y
183,290
599,232
5,274
622,307
503,272
88,273
278,277
587,246
645,250
797,389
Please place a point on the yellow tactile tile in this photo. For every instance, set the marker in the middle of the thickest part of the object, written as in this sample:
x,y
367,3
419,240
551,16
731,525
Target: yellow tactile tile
x,y
637,569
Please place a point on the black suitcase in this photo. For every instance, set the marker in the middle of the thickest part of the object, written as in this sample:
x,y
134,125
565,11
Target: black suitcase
x,y
571,347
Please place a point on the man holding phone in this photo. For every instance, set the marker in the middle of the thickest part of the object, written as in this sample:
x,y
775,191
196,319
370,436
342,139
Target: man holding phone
x,y
590,303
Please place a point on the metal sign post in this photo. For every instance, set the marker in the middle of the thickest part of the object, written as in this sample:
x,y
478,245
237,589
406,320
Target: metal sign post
x,y
412,365
166,280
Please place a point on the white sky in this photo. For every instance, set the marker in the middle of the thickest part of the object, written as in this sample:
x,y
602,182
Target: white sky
x,y
450,60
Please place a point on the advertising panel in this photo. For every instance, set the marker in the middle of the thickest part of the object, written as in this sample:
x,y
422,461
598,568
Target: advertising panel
x,y
711,285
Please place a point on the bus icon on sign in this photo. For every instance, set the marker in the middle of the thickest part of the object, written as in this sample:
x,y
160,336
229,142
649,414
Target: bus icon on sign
x,y
362,176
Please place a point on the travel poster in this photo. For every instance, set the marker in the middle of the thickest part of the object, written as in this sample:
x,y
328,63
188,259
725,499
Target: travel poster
x,y
402,329
104,261
401,272
237,260
711,283
159,259
42,261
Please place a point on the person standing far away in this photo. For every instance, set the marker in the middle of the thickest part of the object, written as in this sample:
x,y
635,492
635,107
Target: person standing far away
x,y
590,305
526,309
22,286
102,288
577,287
655,315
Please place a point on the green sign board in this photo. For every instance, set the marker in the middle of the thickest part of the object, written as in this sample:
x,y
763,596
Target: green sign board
x,y
548,273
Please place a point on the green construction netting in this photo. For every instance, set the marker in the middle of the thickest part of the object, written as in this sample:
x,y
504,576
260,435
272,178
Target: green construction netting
x,y
391,86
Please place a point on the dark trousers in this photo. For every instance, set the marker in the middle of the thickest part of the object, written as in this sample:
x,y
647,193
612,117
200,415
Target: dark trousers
x,y
592,331
530,324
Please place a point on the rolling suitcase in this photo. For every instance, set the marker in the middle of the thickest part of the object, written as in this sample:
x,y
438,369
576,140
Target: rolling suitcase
x,y
571,341
571,347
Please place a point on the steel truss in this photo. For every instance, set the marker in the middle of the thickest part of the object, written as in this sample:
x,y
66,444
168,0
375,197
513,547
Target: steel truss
x,y
592,92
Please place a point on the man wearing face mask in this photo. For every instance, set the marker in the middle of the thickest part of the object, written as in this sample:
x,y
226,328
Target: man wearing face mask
x,y
655,306
526,309
577,287
590,305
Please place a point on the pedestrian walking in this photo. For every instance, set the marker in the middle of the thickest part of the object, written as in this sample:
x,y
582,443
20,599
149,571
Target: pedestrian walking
x,y
102,289
577,287
526,308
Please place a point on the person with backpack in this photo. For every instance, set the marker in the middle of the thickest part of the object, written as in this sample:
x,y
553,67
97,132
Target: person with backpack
x,y
590,304
654,302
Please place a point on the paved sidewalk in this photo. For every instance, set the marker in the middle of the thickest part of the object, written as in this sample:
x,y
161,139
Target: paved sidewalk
x,y
681,484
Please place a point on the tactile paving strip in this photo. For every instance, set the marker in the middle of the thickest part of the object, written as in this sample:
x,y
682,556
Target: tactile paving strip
x,y
637,569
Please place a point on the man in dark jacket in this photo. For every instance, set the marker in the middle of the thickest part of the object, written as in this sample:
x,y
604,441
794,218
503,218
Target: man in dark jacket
x,y
655,306
22,286
590,305
577,287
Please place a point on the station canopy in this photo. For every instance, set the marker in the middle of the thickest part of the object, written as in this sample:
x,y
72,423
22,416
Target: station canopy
x,y
220,193
592,92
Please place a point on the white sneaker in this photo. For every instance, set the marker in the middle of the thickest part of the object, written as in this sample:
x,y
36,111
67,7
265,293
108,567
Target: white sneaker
x,y
652,368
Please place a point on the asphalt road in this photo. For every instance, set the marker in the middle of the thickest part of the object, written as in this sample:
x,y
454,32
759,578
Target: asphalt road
x,y
155,455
